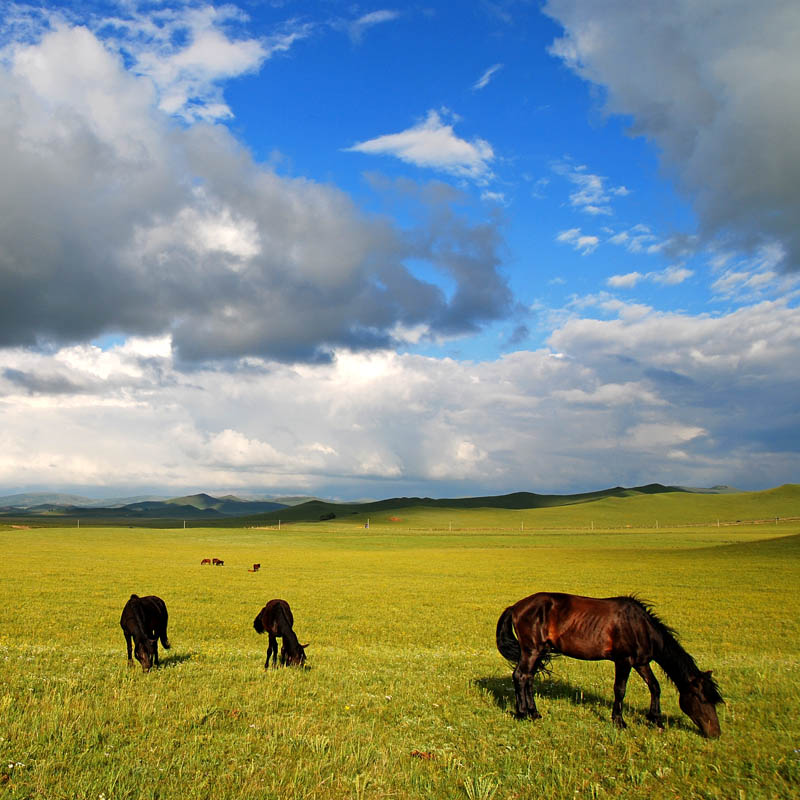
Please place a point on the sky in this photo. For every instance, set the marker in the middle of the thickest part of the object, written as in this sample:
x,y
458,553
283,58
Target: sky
x,y
360,250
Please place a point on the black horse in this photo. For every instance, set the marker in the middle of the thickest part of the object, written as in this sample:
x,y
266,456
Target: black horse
x,y
144,619
276,619
624,630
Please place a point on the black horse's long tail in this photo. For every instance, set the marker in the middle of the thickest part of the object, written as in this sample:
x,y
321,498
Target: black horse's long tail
x,y
258,625
506,639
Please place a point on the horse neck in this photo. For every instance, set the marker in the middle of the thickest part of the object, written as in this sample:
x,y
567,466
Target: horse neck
x,y
675,661
139,629
286,632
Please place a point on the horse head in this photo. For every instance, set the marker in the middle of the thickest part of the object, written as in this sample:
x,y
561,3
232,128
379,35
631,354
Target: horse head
x,y
145,653
295,658
699,700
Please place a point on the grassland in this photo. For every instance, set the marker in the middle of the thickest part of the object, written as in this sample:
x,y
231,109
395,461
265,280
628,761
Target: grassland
x,y
406,696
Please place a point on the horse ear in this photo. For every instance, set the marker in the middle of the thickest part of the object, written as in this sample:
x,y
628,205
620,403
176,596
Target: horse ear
x,y
707,674
305,645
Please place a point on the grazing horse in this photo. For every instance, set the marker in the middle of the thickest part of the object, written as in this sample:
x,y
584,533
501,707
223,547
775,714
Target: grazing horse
x,y
144,619
624,630
276,619
205,561
217,562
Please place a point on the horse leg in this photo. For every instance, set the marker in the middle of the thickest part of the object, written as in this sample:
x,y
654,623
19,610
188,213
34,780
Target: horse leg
x,y
271,650
622,669
128,643
654,714
523,684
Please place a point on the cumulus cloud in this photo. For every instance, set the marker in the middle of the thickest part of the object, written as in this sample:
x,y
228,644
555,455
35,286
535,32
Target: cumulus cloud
x,y
581,242
670,276
187,52
675,398
711,90
433,144
639,240
593,195
115,219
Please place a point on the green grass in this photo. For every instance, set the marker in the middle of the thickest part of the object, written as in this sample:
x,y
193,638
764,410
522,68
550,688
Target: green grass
x,y
401,630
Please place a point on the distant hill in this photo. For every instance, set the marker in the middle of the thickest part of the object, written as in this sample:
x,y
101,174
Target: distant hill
x,y
634,505
198,506
31,499
314,509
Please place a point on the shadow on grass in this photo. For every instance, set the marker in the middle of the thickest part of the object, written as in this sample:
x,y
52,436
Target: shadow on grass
x,y
501,690
173,659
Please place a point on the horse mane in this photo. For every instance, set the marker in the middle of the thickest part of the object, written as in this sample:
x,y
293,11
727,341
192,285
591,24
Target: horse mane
x,y
678,665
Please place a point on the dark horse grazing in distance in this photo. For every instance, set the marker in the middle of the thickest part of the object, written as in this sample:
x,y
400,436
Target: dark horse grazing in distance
x,y
276,619
624,630
144,619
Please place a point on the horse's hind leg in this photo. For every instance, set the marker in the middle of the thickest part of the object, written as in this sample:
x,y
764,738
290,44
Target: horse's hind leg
x,y
272,650
654,714
621,673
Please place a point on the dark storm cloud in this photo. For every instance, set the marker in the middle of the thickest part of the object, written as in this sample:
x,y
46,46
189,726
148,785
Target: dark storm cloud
x,y
113,219
46,384
714,87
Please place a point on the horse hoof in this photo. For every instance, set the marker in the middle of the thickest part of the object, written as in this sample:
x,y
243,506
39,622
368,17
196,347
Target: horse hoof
x,y
620,723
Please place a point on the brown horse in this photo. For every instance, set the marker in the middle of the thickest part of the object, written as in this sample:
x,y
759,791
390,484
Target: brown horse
x,y
276,619
144,619
624,630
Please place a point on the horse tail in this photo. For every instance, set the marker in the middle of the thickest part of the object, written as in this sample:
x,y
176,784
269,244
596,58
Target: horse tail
x,y
258,625
507,642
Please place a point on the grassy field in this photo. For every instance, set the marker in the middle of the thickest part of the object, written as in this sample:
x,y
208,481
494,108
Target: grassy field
x,y
406,696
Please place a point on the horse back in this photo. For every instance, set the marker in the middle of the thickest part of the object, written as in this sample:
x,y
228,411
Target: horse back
x,y
276,617
589,628
143,616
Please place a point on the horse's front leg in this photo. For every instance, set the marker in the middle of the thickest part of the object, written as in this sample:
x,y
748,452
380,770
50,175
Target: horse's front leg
x,y
621,673
128,644
523,685
654,714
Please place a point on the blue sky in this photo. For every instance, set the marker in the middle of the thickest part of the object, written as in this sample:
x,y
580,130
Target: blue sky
x,y
366,250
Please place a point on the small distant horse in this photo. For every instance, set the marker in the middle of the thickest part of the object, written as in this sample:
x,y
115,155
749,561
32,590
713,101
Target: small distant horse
x,y
624,630
205,561
276,619
144,619
217,562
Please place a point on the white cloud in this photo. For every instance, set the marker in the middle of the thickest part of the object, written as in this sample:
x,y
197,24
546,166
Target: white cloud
x,y
638,397
592,196
487,76
357,28
708,84
188,52
581,242
639,240
433,144
627,281
670,276
203,244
